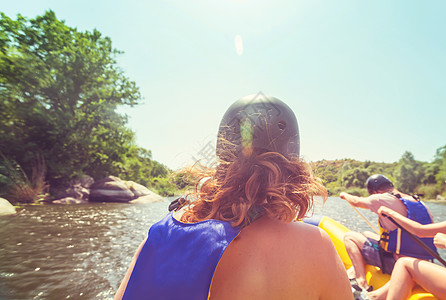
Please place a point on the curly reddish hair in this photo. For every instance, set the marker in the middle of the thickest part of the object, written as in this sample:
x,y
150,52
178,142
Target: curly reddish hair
x,y
250,185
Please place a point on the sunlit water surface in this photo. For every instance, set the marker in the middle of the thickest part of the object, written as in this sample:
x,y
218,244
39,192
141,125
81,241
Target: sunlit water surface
x,y
83,251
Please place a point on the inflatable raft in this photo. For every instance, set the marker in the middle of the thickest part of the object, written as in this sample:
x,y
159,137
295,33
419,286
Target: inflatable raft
x,y
375,277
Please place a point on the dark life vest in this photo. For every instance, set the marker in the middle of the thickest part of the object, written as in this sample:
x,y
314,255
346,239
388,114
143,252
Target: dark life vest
x,y
399,242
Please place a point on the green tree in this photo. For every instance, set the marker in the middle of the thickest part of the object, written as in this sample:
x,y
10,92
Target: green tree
x,y
344,168
430,172
440,163
59,90
408,173
355,177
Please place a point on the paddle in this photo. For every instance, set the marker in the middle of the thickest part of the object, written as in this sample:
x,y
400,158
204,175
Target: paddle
x,y
367,221
418,241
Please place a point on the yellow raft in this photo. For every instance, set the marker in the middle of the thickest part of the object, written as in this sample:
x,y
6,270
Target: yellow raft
x,y
375,277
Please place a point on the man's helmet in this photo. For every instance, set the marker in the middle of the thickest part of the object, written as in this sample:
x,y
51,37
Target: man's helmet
x,y
378,182
258,122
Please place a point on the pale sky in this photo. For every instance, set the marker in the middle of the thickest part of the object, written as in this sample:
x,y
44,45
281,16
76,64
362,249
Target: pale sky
x,y
366,79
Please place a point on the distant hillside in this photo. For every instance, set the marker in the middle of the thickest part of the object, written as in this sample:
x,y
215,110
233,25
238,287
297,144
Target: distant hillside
x,y
407,174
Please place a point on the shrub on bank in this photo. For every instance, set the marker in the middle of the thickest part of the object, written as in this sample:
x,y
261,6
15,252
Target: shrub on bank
x,y
333,189
163,186
357,192
429,191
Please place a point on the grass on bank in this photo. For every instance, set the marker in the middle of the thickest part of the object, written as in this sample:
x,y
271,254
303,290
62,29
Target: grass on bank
x,y
20,187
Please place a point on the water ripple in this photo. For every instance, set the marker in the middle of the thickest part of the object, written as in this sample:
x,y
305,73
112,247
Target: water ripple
x,y
83,251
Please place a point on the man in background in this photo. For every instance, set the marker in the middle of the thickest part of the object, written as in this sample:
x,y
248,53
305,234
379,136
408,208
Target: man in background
x,y
383,251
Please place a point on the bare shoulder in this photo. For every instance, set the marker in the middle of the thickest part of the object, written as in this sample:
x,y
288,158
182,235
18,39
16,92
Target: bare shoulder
x,y
290,235
276,260
311,252
299,240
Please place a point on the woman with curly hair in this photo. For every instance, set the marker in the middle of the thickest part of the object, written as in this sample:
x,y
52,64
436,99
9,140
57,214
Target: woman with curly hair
x,y
237,235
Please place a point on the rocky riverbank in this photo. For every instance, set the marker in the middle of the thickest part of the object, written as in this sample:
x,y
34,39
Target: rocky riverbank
x,y
108,189
86,190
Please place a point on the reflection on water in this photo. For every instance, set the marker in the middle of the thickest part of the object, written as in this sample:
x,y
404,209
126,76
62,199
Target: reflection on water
x,y
83,251
77,252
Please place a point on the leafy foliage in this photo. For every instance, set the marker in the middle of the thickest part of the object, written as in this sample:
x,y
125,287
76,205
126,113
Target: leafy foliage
x,y
440,166
59,90
408,174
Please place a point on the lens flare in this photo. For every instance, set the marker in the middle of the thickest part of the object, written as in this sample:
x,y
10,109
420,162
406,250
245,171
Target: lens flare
x,y
238,44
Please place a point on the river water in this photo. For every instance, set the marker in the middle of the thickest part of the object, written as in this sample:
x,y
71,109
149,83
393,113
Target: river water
x,y
83,251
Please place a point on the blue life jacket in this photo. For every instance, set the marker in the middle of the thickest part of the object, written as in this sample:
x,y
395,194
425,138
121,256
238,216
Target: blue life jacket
x,y
399,242
178,259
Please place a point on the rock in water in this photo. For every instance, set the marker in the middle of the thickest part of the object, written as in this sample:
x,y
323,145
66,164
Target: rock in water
x,y
138,189
6,208
110,189
150,198
142,194
69,200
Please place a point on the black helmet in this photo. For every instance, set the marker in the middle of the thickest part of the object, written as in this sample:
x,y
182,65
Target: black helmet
x,y
378,182
260,122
